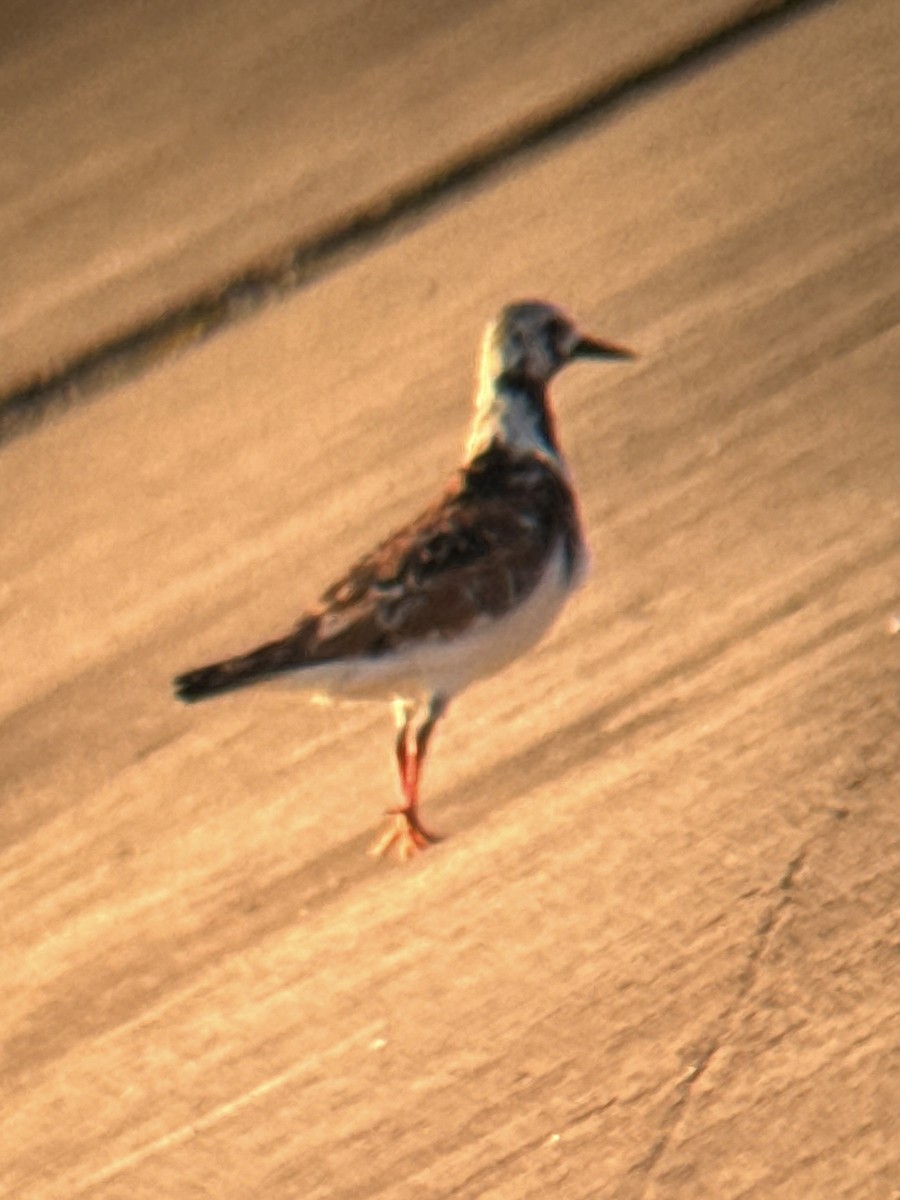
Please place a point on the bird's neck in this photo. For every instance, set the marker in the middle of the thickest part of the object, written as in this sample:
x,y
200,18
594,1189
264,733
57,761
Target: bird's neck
x,y
514,411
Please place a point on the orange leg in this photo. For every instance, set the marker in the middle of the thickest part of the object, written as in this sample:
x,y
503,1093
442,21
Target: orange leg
x,y
406,830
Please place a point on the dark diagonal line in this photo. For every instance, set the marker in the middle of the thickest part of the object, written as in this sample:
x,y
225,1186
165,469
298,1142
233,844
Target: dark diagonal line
x,y
128,354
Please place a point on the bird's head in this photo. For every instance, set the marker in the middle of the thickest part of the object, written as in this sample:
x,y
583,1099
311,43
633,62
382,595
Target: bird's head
x,y
521,352
530,341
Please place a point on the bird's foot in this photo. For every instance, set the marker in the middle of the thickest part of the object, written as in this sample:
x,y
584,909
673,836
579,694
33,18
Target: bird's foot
x,y
406,832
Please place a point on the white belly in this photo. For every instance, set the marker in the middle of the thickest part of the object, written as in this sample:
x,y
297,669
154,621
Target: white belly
x,y
444,666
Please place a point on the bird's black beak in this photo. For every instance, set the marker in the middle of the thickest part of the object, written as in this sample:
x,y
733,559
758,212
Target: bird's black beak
x,y
587,347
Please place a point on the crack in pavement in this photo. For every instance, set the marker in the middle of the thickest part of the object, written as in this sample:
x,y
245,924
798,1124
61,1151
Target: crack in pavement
x,y
684,1090
191,321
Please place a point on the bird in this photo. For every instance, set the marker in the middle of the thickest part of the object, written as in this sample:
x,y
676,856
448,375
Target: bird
x,y
469,585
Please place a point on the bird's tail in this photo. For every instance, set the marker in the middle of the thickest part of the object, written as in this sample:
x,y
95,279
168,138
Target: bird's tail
x,y
291,653
232,673
206,682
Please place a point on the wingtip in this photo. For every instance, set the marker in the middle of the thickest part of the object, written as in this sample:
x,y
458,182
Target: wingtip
x,y
188,689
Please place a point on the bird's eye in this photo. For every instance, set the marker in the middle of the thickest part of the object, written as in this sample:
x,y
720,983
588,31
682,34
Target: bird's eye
x,y
556,335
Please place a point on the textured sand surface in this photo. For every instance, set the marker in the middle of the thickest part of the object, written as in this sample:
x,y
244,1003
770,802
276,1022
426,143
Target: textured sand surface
x,y
149,151
657,955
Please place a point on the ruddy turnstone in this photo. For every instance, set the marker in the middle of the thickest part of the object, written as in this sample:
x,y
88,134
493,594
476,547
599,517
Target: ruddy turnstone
x,y
458,593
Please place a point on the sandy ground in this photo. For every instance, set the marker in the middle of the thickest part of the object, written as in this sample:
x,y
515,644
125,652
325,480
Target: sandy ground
x,y
657,955
149,152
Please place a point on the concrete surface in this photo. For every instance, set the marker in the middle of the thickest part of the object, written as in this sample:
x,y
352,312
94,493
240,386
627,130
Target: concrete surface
x,y
149,151
657,955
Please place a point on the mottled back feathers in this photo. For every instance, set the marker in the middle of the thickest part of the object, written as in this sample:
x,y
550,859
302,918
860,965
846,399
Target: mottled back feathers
x,y
478,552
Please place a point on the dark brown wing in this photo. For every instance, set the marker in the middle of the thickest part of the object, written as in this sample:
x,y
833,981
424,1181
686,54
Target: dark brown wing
x,y
480,549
